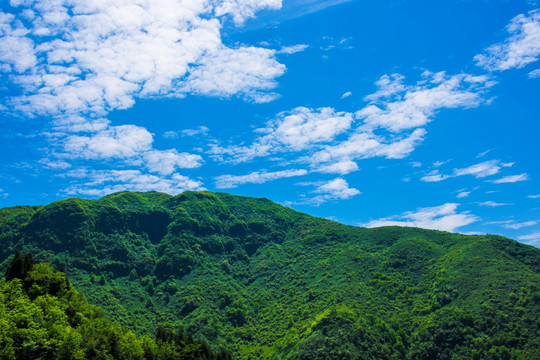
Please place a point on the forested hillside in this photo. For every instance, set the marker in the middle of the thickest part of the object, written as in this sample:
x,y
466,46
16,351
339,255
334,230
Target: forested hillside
x,y
43,317
264,281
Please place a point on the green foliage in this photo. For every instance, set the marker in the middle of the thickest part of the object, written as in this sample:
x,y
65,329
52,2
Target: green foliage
x,y
267,282
47,319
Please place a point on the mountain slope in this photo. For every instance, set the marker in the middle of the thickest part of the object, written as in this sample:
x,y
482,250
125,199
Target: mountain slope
x,y
265,281
43,317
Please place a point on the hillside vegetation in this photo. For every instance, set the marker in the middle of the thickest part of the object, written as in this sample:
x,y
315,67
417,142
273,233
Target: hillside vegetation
x,y
266,282
43,317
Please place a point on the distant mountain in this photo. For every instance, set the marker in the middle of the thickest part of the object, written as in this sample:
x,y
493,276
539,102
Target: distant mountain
x,y
266,282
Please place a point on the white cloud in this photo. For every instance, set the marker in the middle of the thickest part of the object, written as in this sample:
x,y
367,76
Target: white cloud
x,y
201,130
331,43
74,61
481,170
241,10
131,143
519,49
346,95
463,194
332,141
297,8
16,52
225,72
93,56
78,124
531,239
397,107
367,145
103,182
123,141
342,168
292,49
257,177
171,135
482,154
55,164
337,189
493,204
444,218
295,130
512,224
520,225
388,85
302,127
166,162
536,196
434,176
512,179
534,74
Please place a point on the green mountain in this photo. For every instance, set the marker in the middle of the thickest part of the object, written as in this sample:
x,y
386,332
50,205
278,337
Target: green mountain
x,y
266,282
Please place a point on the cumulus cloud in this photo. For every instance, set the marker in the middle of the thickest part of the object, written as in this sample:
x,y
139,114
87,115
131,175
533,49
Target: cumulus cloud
x,y
132,143
241,10
166,162
291,131
365,145
225,72
389,126
256,177
73,56
114,142
336,189
444,217
520,48
397,107
74,61
103,182
512,179
303,127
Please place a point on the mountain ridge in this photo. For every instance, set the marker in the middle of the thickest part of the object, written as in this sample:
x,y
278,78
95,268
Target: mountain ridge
x,y
266,281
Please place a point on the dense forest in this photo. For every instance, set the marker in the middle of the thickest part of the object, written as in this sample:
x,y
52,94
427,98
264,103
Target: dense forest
x,y
266,282
43,317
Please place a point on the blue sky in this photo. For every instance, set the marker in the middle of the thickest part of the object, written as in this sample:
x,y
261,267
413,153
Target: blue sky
x,y
370,113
